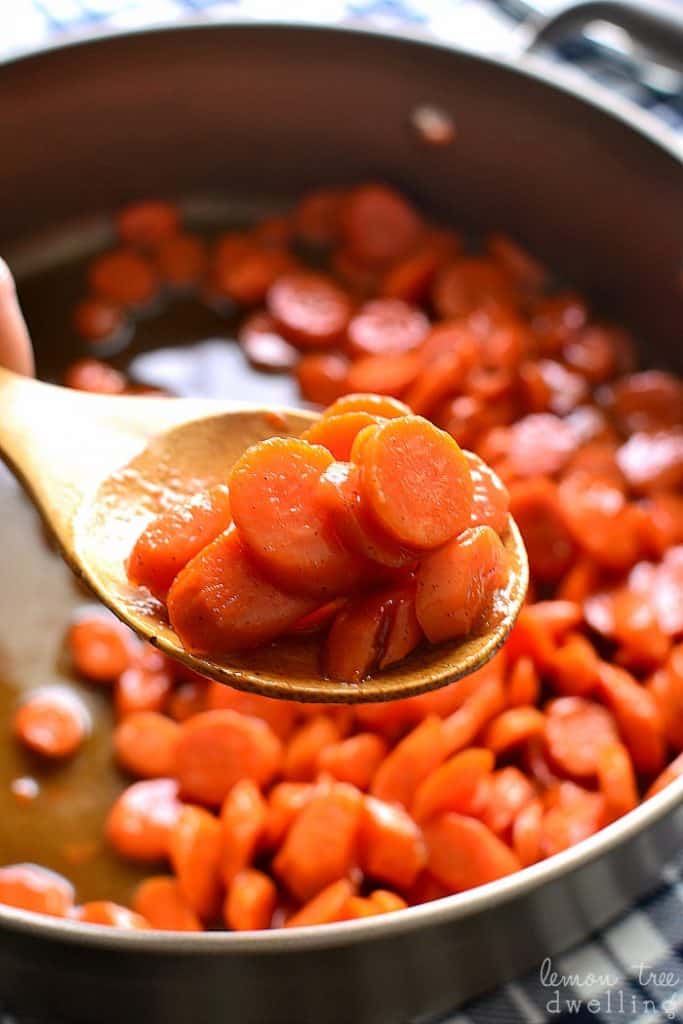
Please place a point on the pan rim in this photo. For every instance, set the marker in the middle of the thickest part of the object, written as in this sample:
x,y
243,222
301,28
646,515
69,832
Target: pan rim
x,y
462,905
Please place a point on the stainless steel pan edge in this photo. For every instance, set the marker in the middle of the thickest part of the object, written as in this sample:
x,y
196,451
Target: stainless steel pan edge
x,y
428,959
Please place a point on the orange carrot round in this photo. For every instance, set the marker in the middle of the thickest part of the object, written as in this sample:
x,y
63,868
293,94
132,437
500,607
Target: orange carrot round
x,y
144,744
250,902
195,846
140,821
159,900
52,721
31,887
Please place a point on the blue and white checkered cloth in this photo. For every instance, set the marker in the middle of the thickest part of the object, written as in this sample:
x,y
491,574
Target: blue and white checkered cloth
x,y
631,972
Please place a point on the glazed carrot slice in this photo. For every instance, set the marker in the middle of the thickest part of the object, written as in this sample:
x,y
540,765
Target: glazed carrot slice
x,y
101,648
273,493
148,223
141,689
111,915
527,832
358,907
386,902
575,731
573,668
337,433
617,780
173,538
182,260
478,708
468,283
52,721
380,406
324,908
453,785
378,225
144,744
186,700
280,715
386,327
355,759
411,761
509,790
672,772
512,727
523,684
123,277
222,602
340,493
411,278
307,860
31,887
405,632
195,847
319,620
310,309
388,375
456,584
163,905
285,800
577,814
417,482
463,853
250,902
637,715
243,819
317,217
391,847
322,376
302,753
246,276
140,821
264,346
535,505
218,748
97,321
491,500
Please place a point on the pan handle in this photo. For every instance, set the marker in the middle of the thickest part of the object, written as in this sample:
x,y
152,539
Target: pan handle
x,y
655,24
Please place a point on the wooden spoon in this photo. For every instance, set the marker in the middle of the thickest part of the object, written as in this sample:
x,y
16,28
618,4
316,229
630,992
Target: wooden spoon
x,y
99,467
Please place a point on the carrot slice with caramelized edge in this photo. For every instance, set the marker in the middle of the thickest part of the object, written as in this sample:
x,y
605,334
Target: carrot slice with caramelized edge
x,y
512,727
250,902
464,853
171,540
310,309
417,482
163,905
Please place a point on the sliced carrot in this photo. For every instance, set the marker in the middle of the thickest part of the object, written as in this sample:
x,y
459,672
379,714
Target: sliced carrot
x,y
310,309
576,729
182,260
410,279
324,908
453,785
264,346
573,669
305,746
195,847
387,375
141,689
673,771
637,715
337,433
247,276
509,791
307,860
378,225
52,721
617,781
173,538
518,264
386,902
111,915
355,759
144,744
218,748
536,508
557,319
527,832
319,620
358,907
123,277
523,684
410,761
666,686
243,819
186,700
222,602
405,632
292,535
163,905
148,223
31,887
512,727
280,715
466,284
457,583
464,853
576,814
140,821
285,800
96,320
417,482
322,376
491,500
92,375
386,327
317,217
483,704
250,902
380,406
101,648
391,845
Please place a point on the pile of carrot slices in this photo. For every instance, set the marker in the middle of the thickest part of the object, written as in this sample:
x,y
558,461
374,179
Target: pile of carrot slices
x,y
574,723
365,530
